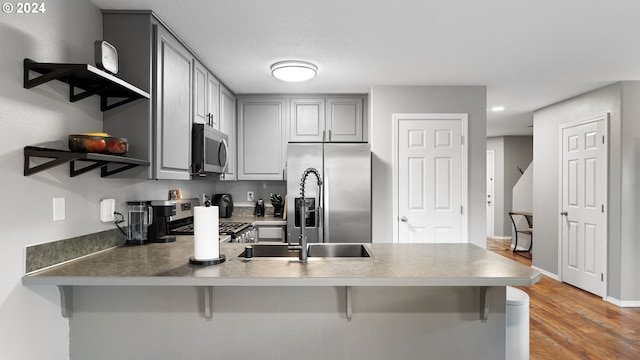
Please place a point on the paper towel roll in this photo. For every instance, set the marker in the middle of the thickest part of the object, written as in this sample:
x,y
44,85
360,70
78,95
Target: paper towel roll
x,y
206,240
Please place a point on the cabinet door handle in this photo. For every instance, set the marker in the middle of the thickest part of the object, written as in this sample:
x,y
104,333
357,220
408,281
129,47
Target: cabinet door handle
x,y
324,133
564,213
329,135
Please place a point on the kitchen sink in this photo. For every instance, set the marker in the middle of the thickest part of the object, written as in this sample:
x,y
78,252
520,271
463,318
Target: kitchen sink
x,y
338,250
271,250
316,251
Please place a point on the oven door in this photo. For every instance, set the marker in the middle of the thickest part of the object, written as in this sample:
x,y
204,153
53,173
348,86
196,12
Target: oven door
x,y
210,150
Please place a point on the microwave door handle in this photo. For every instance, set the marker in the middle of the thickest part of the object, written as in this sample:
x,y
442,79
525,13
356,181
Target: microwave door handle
x,y
226,157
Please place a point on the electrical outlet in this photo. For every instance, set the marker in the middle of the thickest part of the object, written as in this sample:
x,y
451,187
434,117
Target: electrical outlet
x,y
107,210
250,196
58,209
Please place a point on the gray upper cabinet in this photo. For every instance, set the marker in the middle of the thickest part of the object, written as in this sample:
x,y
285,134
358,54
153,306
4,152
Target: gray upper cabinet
x,y
228,126
206,97
173,112
307,120
261,138
213,100
333,119
200,113
153,59
344,119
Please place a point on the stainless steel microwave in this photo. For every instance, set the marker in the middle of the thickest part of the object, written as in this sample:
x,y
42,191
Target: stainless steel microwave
x,y
210,150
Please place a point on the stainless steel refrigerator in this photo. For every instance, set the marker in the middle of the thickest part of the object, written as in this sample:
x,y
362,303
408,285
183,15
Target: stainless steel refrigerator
x,y
343,199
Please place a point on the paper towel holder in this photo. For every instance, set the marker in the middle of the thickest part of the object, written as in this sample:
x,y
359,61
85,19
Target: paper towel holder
x,y
220,260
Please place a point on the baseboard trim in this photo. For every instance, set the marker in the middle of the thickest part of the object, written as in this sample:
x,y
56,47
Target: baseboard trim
x,y
620,303
546,273
500,237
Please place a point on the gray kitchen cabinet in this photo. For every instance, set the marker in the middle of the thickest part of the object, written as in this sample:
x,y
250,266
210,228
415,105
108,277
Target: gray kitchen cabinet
x,y
261,138
152,58
213,100
344,119
307,120
206,97
173,108
228,126
333,119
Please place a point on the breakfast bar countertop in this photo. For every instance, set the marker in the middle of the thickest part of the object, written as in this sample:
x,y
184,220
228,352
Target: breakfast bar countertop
x,y
389,265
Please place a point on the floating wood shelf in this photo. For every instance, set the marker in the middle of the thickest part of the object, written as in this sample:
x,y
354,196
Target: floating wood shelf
x,y
60,157
113,91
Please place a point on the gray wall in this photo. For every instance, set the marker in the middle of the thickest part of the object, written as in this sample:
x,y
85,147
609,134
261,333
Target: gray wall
x,y
510,152
261,190
44,116
546,178
388,100
629,248
287,323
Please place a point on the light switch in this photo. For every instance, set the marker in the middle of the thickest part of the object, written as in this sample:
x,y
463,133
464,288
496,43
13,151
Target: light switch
x,y
58,209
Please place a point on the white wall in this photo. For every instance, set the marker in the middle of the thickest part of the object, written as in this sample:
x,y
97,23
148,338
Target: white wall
x,y
387,100
44,116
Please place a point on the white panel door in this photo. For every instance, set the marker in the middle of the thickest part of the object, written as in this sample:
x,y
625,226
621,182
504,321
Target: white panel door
x,y
430,180
583,202
491,158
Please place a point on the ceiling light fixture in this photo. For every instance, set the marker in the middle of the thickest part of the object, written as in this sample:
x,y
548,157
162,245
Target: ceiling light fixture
x,y
293,70
497,108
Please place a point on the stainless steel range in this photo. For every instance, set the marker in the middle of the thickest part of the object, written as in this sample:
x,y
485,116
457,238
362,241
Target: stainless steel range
x,y
182,223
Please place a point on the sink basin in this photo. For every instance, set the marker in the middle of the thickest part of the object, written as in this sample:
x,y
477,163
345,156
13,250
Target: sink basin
x,y
324,251
268,250
338,250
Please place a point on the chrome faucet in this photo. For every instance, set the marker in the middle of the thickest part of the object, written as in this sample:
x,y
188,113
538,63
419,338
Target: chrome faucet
x,y
303,215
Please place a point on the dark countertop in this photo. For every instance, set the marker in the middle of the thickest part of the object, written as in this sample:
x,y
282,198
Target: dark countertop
x,y
390,265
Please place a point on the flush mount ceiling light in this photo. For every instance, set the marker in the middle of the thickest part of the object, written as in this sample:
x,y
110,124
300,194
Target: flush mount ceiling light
x,y
497,108
293,70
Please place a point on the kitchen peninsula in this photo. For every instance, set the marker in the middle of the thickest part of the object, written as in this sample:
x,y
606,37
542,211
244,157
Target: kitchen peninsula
x,y
444,301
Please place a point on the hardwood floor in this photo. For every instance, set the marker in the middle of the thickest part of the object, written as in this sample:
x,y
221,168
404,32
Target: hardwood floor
x,y
569,323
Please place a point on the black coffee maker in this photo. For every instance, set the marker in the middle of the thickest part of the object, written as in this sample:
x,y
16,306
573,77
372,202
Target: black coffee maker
x,y
259,210
162,210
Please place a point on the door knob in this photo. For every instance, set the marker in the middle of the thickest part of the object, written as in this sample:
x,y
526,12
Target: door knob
x,y
404,219
564,213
